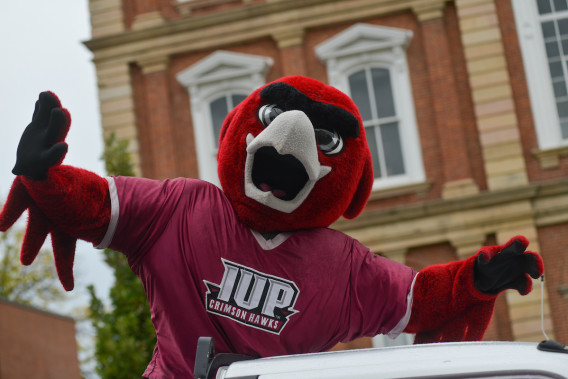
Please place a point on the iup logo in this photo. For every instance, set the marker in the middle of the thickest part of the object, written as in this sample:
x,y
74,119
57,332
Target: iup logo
x,y
252,298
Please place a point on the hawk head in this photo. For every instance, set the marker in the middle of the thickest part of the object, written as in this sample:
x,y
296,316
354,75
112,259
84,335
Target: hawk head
x,y
293,155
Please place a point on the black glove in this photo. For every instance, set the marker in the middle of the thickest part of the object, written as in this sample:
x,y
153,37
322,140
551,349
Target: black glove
x,y
42,144
507,266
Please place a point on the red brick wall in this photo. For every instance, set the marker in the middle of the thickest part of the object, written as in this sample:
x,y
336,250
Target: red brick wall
x,y
35,344
184,138
421,257
160,128
553,241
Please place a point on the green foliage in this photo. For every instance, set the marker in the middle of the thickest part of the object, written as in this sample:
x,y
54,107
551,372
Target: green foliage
x,y
116,157
125,337
36,285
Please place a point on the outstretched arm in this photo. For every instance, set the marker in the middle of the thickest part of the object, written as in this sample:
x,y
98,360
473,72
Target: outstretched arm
x,y
63,201
455,301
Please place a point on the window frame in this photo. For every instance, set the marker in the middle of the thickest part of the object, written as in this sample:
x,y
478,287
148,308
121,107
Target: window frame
x,y
226,92
541,92
220,74
369,46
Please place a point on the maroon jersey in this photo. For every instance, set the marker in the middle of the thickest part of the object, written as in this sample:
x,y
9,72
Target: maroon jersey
x,y
206,274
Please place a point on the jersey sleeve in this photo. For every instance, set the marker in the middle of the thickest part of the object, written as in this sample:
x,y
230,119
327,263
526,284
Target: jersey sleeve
x,y
140,211
381,297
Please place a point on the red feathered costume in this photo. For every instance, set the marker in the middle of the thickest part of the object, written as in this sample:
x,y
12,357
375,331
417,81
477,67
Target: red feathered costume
x,y
254,265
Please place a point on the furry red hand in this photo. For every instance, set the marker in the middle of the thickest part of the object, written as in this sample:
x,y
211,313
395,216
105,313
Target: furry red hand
x,y
507,266
65,202
448,303
41,146
37,229
71,203
446,306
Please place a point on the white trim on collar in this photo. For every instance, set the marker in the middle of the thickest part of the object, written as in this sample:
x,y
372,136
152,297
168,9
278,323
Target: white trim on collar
x,y
272,243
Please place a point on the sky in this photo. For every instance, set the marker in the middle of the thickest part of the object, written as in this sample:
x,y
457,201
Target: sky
x,y
41,49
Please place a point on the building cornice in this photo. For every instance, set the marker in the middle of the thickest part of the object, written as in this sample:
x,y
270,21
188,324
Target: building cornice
x,y
255,21
410,212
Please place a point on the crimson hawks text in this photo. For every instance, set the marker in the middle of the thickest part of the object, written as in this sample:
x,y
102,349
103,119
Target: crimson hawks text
x,y
252,298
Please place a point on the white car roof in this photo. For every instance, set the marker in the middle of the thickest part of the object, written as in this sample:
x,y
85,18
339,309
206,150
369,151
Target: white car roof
x,y
454,360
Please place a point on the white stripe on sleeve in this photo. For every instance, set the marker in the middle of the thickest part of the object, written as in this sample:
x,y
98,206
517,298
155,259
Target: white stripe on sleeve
x,y
114,212
399,328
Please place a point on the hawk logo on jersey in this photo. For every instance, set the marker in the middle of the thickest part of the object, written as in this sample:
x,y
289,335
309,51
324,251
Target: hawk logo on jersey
x,y
252,298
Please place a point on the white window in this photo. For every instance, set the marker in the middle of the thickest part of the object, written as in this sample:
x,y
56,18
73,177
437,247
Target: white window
x,y
542,26
216,85
220,107
369,64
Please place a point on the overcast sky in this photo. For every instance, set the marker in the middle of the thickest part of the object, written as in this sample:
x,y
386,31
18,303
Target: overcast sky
x,y
41,49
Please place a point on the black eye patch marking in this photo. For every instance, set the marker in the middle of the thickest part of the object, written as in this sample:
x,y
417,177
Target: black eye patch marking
x,y
322,115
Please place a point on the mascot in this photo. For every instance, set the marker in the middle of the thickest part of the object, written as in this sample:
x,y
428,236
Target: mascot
x,y
255,265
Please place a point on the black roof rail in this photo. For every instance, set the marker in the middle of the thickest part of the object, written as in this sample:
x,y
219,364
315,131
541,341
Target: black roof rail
x,y
207,363
552,346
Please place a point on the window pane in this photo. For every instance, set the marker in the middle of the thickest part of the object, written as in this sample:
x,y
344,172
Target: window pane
x,y
562,108
563,26
219,111
564,47
564,129
392,148
560,5
552,50
556,69
544,6
360,93
383,92
237,98
560,89
548,29
372,141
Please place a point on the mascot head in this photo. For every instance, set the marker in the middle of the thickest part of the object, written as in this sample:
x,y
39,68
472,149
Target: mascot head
x,y
293,155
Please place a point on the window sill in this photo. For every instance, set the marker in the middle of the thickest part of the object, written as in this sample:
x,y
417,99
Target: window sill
x,y
550,158
418,189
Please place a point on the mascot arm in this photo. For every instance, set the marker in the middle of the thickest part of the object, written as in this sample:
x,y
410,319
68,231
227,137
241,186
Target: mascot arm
x,y
454,301
63,201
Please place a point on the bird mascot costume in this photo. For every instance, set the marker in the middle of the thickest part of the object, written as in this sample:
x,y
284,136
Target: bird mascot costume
x,y
254,265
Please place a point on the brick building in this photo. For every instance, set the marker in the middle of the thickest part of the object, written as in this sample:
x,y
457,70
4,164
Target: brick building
x,y
469,136
36,344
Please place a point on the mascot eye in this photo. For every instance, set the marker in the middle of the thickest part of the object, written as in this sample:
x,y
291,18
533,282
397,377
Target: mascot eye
x,y
329,141
267,114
